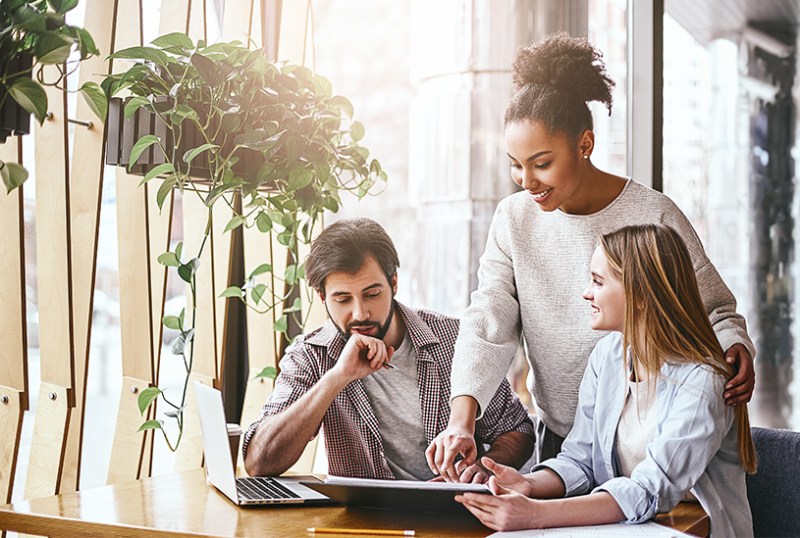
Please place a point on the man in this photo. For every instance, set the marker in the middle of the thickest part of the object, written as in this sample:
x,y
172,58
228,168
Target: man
x,y
376,375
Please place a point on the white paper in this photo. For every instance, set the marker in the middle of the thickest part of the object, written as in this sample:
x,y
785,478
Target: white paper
x,y
406,484
615,530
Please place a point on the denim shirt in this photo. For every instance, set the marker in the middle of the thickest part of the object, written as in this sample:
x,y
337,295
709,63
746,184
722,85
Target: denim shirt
x,y
695,445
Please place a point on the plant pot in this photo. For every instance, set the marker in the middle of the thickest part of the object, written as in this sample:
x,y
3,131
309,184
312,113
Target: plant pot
x,y
123,134
15,120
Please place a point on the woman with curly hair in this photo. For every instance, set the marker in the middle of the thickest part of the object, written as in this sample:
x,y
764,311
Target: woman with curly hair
x,y
651,425
538,251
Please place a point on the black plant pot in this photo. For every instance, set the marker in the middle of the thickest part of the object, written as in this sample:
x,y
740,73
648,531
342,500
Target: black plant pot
x,y
123,133
15,120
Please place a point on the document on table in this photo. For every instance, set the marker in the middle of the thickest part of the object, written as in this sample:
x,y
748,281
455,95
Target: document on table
x,y
616,530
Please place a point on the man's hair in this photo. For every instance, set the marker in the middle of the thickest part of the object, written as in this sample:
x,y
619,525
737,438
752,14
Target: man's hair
x,y
344,246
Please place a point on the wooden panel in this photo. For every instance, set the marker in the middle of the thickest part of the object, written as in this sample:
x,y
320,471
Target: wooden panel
x,y
296,40
190,452
222,244
53,246
48,443
128,446
242,21
14,351
86,185
11,411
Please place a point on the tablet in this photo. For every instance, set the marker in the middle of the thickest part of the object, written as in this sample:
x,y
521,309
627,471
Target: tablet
x,y
400,495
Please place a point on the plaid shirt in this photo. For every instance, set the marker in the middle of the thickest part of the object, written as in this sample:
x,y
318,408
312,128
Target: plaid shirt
x,y
352,434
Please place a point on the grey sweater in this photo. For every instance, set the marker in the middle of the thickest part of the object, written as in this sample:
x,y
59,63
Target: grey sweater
x,y
530,281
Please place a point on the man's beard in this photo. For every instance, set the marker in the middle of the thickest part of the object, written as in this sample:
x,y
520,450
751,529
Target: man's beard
x,y
382,329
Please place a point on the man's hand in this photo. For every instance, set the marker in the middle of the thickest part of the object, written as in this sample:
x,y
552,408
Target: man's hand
x,y
446,447
739,389
507,512
362,356
471,474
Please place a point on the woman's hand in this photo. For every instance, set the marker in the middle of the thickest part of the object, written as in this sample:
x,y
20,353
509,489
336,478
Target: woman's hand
x,y
508,512
446,447
506,479
739,389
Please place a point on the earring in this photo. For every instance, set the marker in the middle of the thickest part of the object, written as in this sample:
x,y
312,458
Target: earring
x,y
585,156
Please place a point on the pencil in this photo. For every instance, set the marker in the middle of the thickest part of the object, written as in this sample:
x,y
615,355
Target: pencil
x,y
382,532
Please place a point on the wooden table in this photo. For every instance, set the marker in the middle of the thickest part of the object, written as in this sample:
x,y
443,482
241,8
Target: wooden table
x,y
183,504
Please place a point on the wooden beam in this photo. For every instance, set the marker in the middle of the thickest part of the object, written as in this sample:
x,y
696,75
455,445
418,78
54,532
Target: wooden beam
x,y
54,268
86,186
11,412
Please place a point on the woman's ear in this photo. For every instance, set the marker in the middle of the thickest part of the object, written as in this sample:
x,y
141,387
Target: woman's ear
x,y
586,143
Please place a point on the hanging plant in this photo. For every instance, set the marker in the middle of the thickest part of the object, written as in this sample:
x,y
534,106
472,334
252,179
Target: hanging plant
x,y
34,34
228,124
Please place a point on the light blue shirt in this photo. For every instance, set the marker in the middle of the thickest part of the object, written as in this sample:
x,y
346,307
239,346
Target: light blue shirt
x,y
695,445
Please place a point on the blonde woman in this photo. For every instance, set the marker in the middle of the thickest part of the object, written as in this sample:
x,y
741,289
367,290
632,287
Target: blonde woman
x,y
651,425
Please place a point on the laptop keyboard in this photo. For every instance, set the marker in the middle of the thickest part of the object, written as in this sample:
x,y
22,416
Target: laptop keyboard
x,y
261,487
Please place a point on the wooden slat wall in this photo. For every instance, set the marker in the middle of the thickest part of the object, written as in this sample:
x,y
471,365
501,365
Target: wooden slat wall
x,y
136,324
53,245
86,185
13,352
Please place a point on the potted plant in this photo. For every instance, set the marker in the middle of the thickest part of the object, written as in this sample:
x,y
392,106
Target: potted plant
x,y
268,139
34,34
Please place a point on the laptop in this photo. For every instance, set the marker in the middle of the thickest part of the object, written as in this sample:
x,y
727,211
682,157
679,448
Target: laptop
x,y
248,491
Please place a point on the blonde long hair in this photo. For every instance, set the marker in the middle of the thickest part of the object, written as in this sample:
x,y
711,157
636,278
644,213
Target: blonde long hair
x,y
665,318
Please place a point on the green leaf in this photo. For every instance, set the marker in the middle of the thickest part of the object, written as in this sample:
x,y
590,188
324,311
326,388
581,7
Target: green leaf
x,y
169,259
232,291
260,270
258,292
172,322
175,39
164,190
356,131
160,170
142,53
179,344
344,104
62,6
286,239
291,274
299,178
52,48
86,43
234,223
151,425
188,269
263,222
95,98
207,70
281,325
182,315
146,398
140,146
179,249
269,372
30,96
194,152
135,103
296,307
13,175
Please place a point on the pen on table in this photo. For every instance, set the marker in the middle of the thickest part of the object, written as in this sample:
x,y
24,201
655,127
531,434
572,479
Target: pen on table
x,y
382,532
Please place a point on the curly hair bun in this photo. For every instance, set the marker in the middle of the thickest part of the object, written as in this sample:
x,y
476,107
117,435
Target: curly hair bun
x,y
569,65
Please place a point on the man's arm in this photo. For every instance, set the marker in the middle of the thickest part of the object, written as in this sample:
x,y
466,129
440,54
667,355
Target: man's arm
x,y
279,439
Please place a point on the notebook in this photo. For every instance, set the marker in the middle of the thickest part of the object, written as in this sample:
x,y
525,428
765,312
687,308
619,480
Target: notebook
x,y
219,463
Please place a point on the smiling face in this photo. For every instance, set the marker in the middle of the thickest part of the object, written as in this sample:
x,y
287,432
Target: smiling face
x,y
606,295
549,165
361,302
